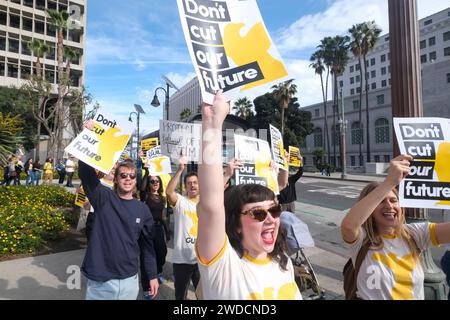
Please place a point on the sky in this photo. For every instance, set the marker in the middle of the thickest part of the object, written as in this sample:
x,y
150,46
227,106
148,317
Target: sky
x,y
131,44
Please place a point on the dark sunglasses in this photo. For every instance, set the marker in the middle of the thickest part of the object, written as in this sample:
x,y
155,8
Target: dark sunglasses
x,y
154,181
260,214
126,175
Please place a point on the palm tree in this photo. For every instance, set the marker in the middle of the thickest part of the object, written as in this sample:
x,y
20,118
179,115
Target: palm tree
x,y
371,33
318,64
70,55
60,21
283,94
185,114
39,49
356,48
243,108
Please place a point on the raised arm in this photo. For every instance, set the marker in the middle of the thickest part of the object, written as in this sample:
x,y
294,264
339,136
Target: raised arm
x,y
443,233
211,210
361,211
232,166
283,175
172,196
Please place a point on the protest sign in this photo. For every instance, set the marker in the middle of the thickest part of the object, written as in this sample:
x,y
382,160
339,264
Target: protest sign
x,y
229,46
148,144
294,157
157,163
180,138
276,140
103,146
80,198
257,157
427,140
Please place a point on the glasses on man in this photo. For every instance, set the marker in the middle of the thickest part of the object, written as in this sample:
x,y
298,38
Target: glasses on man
x,y
124,175
260,214
154,181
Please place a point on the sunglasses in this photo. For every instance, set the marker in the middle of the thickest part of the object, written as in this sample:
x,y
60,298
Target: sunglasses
x,y
126,175
154,181
260,214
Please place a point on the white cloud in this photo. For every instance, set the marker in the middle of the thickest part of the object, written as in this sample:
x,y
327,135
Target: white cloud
x,y
180,79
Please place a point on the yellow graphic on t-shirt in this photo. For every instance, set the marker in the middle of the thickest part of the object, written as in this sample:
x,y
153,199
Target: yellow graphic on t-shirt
x,y
263,169
286,292
250,48
109,145
193,216
441,166
402,270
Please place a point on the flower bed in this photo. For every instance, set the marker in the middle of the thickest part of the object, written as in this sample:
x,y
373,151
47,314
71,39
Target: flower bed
x,y
29,216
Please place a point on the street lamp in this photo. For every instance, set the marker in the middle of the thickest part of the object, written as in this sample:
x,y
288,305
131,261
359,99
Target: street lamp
x,y
343,130
155,103
138,112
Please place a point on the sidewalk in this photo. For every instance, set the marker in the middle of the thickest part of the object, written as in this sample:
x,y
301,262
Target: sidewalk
x,y
349,177
57,277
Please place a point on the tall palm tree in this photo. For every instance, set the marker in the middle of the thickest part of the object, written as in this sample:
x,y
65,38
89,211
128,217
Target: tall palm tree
x,y
283,93
70,55
185,114
356,48
39,49
371,33
243,108
318,64
60,21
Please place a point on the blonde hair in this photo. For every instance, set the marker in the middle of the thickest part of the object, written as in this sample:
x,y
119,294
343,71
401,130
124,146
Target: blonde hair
x,y
374,237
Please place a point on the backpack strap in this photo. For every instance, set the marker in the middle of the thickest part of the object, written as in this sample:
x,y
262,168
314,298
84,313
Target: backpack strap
x,y
362,253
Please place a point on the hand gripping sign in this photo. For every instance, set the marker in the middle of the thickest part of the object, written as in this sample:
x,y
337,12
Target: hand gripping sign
x,y
276,140
102,147
229,46
427,140
294,157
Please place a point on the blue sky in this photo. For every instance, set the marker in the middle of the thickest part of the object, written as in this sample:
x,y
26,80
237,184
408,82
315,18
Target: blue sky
x,y
131,44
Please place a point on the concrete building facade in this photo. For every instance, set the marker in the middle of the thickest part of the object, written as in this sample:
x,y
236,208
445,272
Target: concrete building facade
x,y
435,61
188,97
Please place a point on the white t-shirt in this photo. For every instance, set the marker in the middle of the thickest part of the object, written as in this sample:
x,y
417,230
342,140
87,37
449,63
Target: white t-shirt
x,y
392,273
70,166
185,231
228,277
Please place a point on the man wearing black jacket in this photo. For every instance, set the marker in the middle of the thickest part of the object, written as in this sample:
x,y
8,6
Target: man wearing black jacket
x,y
288,195
123,227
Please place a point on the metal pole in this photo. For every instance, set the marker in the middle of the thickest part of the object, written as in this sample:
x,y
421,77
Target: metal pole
x,y
407,102
343,142
138,137
167,101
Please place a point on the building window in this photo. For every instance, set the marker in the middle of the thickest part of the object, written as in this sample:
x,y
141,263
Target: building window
x,y
358,79
28,3
377,159
373,73
372,62
423,58
380,99
14,21
352,91
356,133
353,161
383,58
428,22
352,69
447,52
374,86
13,45
423,44
52,5
2,43
433,56
448,77
383,83
341,83
335,135
317,112
447,36
367,63
352,80
3,18
358,90
40,4
390,82
355,104
358,67
383,71
13,70
387,158
318,139
431,41
2,68
382,131
39,27
389,56
386,39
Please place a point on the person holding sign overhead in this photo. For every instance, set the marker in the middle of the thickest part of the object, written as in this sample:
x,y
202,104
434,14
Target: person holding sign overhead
x,y
239,248
122,230
288,195
184,261
375,225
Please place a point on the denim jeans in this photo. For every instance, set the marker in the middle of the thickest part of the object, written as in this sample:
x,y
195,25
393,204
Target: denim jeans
x,y
126,289
445,264
29,178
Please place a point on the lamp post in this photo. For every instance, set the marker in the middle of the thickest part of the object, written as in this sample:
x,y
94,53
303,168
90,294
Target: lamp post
x,y
156,103
131,120
407,102
343,129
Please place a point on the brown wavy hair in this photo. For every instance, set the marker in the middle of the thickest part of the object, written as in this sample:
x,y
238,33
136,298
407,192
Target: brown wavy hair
x,y
235,198
401,231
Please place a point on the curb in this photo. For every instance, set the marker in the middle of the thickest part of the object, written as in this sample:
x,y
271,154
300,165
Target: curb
x,y
339,179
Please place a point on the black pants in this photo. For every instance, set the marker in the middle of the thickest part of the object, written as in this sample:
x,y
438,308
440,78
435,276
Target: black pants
x,y
182,274
69,179
62,176
159,244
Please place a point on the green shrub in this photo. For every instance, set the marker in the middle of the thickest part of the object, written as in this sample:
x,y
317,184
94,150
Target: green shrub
x,y
29,216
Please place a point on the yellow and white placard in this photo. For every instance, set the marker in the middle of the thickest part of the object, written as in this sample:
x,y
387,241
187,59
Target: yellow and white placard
x,y
276,140
257,157
157,163
80,198
180,138
427,140
102,147
148,144
229,46
294,157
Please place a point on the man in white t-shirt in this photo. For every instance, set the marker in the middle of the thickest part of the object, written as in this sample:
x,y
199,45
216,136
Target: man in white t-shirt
x,y
70,169
184,259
